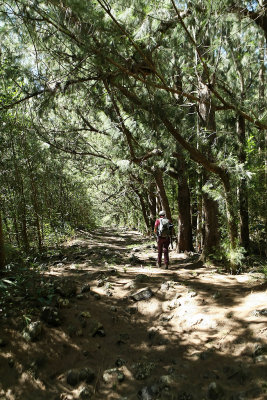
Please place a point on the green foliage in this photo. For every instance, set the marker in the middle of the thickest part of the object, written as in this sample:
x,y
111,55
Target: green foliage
x,y
235,257
76,153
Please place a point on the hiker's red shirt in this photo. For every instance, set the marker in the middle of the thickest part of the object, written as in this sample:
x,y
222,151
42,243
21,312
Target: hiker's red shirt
x,y
157,222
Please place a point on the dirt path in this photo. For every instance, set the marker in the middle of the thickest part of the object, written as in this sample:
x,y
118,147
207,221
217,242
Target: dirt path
x,y
97,320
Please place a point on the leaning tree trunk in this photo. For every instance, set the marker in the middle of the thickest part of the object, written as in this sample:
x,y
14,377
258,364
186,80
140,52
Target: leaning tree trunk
x,y
152,204
162,193
143,208
2,247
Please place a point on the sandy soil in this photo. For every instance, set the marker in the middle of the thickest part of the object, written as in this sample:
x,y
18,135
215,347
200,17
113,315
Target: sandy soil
x,y
201,335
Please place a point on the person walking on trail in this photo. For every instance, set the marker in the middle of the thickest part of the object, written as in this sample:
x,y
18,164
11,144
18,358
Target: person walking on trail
x,y
163,231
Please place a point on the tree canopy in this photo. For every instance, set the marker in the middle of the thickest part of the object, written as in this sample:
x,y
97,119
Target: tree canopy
x,y
112,111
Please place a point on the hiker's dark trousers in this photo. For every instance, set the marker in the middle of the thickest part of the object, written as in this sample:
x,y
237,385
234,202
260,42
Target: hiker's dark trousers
x,y
163,246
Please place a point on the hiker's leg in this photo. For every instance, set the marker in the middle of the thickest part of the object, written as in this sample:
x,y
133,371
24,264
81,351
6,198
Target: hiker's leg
x,y
160,245
166,251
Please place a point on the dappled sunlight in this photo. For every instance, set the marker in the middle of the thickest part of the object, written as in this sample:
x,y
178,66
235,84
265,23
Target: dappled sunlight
x,y
196,324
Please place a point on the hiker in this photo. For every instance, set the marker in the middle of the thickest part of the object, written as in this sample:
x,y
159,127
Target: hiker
x,y
163,231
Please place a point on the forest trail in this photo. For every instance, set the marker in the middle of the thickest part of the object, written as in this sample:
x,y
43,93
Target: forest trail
x,y
97,320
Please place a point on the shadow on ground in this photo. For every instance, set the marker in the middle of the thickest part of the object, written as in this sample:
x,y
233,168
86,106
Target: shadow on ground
x,y
198,335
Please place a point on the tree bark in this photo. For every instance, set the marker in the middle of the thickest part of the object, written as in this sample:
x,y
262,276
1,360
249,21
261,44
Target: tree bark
x,y
143,208
212,236
243,190
211,209
162,193
152,204
185,242
2,247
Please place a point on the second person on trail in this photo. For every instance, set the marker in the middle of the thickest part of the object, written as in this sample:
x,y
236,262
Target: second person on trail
x,y
163,232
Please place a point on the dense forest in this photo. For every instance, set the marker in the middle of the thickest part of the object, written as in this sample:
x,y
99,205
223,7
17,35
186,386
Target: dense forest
x,y
113,115
114,110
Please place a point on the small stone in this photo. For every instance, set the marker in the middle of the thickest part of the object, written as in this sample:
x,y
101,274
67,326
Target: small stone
x,y
112,271
152,332
143,294
166,318
165,286
119,362
109,293
259,350
141,278
132,310
149,392
101,332
120,376
215,391
51,316
3,342
94,327
258,313
166,380
33,331
192,294
85,393
86,288
261,358
134,260
86,374
11,362
80,296
130,285
62,302
73,377
97,296
85,314
113,375
113,309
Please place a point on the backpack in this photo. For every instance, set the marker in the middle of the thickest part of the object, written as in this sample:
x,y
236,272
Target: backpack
x,y
164,227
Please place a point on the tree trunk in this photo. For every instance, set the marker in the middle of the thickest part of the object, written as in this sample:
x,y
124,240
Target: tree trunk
x,y
230,198
200,231
211,209
22,213
152,203
185,241
212,236
243,190
162,193
34,194
2,247
143,207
